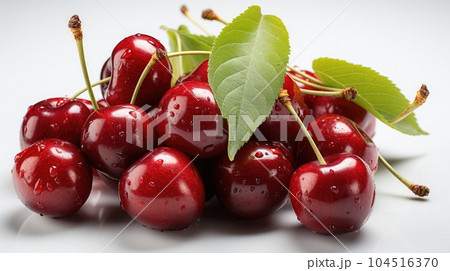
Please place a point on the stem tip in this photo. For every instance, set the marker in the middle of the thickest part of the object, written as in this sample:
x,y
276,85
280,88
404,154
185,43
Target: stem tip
x,y
184,9
209,14
74,22
350,93
420,190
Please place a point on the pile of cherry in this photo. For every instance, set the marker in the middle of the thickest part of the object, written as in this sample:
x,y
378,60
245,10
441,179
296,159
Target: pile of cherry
x,y
165,168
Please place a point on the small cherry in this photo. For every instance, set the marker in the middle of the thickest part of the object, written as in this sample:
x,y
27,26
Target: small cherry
x,y
163,190
52,177
336,134
61,118
190,120
106,72
255,183
115,137
199,74
280,125
128,60
334,198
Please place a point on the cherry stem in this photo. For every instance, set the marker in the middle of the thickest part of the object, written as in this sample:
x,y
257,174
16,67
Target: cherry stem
x,y
421,97
417,189
286,101
305,75
209,14
313,85
186,13
104,80
75,27
183,53
157,55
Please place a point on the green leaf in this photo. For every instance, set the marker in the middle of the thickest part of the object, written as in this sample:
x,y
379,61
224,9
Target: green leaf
x,y
246,71
183,40
376,93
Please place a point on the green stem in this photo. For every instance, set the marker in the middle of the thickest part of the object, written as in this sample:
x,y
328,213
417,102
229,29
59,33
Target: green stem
x,y
419,190
304,74
323,93
316,86
186,13
104,80
85,73
287,103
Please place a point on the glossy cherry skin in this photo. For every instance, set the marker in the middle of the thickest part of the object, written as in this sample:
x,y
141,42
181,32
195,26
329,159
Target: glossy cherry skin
x,y
199,74
105,72
280,125
335,134
52,177
334,198
330,105
255,183
190,120
163,190
115,137
128,60
60,118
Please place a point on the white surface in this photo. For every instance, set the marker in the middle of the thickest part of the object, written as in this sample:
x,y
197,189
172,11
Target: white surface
x,y
406,40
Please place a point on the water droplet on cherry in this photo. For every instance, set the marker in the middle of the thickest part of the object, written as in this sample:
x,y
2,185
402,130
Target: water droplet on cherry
x,y
159,162
259,154
334,189
208,148
176,106
133,114
52,171
37,187
357,199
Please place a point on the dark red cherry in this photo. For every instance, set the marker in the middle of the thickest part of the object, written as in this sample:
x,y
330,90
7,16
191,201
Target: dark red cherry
x,y
105,73
204,167
190,120
199,74
280,125
255,183
163,190
330,105
52,177
336,134
115,137
333,198
128,60
60,118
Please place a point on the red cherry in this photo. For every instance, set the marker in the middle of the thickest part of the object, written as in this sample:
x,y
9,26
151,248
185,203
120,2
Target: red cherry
x,y
336,134
281,125
199,74
115,137
163,190
105,73
189,120
52,177
128,60
308,99
60,118
333,198
331,105
255,183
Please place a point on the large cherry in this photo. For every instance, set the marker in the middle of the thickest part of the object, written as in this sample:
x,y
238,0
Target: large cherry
x,y
115,137
280,125
60,118
52,177
163,190
199,74
190,120
336,134
255,183
333,198
128,60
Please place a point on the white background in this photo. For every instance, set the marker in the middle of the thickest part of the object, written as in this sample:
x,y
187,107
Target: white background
x,y
408,41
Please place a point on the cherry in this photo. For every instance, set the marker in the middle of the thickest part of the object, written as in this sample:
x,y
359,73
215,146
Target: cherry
x,y
255,183
199,74
334,198
163,190
60,118
128,60
308,99
115,137
190,120
336,134
333,105
204,167
52,177
106,71
281,125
